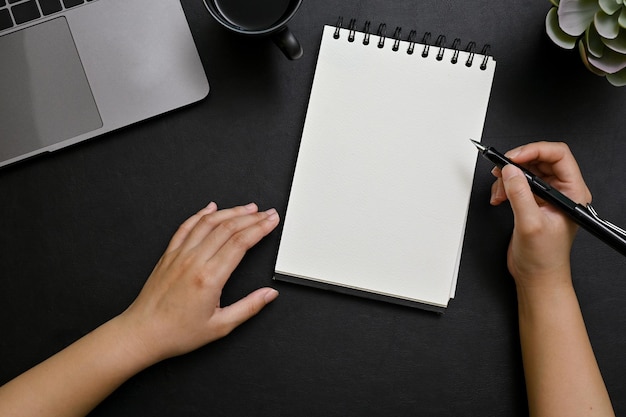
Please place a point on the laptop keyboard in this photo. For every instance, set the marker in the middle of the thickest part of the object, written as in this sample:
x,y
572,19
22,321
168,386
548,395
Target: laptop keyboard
x,y
14,13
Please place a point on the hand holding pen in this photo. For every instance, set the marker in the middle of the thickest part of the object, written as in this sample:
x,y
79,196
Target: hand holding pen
x,y
552,188
543,234
554,340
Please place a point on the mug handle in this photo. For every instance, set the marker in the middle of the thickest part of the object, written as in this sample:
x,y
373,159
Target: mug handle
x,y
286,42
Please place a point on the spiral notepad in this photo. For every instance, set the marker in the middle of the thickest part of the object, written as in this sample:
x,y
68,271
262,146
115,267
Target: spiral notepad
x,y
383,178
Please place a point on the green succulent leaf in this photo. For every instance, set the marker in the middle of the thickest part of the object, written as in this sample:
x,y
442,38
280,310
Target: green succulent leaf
x,y
610,62
555,32
607,25
618,79
582,49
618,44
576,15
622,18
594,42
610,6
598,28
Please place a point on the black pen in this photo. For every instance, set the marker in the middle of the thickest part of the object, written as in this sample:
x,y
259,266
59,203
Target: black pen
x,y
585,216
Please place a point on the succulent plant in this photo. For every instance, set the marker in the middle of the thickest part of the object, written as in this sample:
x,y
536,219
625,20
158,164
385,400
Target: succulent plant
x,y
598,28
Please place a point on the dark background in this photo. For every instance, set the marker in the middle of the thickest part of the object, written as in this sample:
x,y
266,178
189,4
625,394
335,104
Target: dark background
x,y
81,229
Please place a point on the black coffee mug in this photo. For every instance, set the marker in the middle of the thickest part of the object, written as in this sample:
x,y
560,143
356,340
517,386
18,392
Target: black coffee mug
x,y
259,18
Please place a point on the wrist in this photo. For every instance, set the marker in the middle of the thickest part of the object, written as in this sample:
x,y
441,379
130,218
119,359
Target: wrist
x,y
554,273
139,353
544,295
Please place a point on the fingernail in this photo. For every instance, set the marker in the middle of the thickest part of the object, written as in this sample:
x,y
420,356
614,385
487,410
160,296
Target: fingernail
x,y
270,295
493,199
210,207
272,216
250,207
513,153
510,171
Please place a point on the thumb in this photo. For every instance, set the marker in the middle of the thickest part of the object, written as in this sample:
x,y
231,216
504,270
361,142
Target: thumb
x,y
242,310
523,203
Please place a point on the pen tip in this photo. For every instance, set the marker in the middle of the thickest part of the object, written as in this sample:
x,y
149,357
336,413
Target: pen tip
x,y
478,145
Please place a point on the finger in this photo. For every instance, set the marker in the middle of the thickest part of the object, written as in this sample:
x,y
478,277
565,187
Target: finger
x,y
525,209
230,254
206,224
185,228
498,194
556,164
550,158
224,231
539,151
228,318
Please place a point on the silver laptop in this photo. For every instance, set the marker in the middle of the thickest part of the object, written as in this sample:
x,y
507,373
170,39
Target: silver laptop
x,y
74,69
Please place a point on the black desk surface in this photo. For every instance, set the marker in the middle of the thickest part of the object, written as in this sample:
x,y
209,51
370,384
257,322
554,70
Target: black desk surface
x,y
81,229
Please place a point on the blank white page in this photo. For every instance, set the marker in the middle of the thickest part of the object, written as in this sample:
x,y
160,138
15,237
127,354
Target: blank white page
x,y
384,173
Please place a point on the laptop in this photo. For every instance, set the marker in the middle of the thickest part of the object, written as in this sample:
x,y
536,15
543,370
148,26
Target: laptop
x,y
71,70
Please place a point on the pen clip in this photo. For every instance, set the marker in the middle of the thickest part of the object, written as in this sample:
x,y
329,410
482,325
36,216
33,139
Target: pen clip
x,y
608,224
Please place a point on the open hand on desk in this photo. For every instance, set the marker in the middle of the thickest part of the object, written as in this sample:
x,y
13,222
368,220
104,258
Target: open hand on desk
x,y
539,251
178,309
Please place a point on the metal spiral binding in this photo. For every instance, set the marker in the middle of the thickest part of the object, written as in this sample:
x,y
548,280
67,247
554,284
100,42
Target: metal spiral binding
x,y
382,30
411,41
338,27
366,30
425,40
352,30
440,42
455,47
471,49
397,35
485,52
